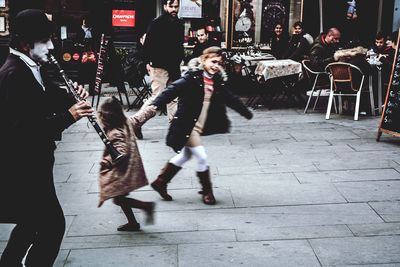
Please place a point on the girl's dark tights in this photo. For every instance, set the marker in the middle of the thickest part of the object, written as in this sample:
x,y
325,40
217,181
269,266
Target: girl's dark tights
x,y
127,204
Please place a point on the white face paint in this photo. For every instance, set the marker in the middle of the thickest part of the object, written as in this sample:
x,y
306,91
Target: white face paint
x,y
40,50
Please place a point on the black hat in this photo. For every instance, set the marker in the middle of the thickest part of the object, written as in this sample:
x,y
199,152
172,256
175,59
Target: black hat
x,y
32,25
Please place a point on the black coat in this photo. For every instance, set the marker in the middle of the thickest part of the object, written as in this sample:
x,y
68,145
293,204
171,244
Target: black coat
x,y
163,46
321,54
190,91
279,47
32,121
298,48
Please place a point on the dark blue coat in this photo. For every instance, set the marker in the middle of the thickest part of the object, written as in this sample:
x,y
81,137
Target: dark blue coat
x,y
190,91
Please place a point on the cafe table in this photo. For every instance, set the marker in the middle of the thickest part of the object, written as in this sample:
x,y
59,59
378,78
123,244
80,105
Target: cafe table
x,y
268,69
278,76
252,60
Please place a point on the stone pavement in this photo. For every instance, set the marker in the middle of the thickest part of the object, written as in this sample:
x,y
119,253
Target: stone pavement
x,y
293,189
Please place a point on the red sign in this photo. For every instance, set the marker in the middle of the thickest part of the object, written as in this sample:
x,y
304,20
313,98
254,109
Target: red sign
x,y
75,56
123,18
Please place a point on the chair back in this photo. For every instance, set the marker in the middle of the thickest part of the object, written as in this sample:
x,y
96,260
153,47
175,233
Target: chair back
x,y
346,77
306,65
321,76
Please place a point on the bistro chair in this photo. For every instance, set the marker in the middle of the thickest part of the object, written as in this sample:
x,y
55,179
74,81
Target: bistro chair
x,y
142,91
345,80
319,81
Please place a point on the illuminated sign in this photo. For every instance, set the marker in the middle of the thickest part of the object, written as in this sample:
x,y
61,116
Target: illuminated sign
x,y
66,56
123,18
75,56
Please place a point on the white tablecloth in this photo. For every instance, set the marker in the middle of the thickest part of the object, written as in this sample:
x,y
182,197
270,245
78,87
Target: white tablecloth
x,y
268,69
253,60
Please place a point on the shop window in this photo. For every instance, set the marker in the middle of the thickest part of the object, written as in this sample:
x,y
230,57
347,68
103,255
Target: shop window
x,y
250,22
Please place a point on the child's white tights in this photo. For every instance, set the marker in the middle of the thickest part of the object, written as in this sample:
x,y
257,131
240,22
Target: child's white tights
x,y
198,152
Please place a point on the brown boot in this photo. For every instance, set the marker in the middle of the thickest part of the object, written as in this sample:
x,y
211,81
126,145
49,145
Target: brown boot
x,y
166,175
208,196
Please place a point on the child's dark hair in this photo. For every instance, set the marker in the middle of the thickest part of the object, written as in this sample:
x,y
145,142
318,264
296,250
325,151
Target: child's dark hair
x,y
380,35
111,114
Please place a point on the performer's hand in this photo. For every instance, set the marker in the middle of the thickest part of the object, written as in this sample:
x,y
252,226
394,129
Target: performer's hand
x,y
81,91
81,109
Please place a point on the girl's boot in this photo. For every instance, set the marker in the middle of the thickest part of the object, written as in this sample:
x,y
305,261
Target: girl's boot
x,y
208,196
166,175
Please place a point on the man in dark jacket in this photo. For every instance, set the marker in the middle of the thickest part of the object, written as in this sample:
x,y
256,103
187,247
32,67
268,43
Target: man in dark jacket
x,y
299,44
35,114
164,51
323,50
203,42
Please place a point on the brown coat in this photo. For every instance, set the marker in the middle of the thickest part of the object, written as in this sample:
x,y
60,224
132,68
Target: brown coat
x,y
128,174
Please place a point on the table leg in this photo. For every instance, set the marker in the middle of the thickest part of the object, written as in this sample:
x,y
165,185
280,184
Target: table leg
x,y
371,94
380,90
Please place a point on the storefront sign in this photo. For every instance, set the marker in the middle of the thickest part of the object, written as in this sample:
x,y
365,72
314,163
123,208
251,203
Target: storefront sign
x,y
75,56
67,57
123,18
190,9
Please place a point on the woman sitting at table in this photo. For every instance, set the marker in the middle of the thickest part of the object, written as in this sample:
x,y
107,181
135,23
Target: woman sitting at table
x,y
279,41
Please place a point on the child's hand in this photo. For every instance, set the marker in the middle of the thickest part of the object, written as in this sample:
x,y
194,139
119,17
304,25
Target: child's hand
x,y
105,164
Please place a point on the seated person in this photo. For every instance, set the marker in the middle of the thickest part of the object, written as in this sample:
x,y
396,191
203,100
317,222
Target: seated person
x,y
384,53
279,41
323,49
203,42
299,44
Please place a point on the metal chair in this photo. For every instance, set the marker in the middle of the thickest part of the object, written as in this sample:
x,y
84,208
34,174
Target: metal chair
x,y
319,81
142,91
345,80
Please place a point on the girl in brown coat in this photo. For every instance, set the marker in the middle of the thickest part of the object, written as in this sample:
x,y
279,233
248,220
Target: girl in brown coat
x,y
117,180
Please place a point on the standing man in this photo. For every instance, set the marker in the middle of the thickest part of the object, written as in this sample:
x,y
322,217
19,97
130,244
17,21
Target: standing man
x,y
323,49
35,114
164,51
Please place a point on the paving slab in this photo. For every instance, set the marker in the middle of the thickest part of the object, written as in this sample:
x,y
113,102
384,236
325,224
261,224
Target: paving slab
x,y
123,256
388,210
365,191
268,253
175,238
254,232
374,229
347,176
357,250
272,194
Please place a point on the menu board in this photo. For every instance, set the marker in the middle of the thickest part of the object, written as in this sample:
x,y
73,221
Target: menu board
x,y
390,120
